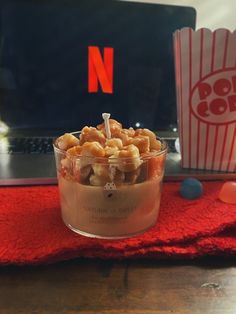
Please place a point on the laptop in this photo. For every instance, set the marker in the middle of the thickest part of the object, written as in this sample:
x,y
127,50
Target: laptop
x,y
47,87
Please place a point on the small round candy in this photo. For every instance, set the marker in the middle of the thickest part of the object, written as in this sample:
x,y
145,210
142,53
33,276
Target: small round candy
x,y
191,188
228,192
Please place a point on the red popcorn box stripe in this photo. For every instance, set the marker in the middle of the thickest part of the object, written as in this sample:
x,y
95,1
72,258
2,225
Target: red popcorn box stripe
x,y
205,70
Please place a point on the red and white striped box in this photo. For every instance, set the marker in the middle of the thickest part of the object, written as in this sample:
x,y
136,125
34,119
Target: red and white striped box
x,y
205,71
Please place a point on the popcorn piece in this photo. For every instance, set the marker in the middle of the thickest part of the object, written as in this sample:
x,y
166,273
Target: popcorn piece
x,y
130,151
103,176
94,149
101,170
74,151
114,142
128,158
109,151
67,141
154,143
112,146
123,136
107,173
91,134
130,132
115,127
86,154
126,139
142,142
89,150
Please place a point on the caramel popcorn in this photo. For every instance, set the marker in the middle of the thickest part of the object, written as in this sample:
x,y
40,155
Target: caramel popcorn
x,y
154,143
130,132
142,142
101,170
109,151
115,127
128,158
94,149
74,151
91,134
125,138
114,142
96,159
67,141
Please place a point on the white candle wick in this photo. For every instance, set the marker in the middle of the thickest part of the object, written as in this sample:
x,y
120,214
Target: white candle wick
x,y
106,117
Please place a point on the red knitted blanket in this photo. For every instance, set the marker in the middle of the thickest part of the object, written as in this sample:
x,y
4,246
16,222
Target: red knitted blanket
x,y
32,232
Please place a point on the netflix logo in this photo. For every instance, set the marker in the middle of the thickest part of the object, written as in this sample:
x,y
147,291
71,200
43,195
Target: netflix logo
x,y
100,69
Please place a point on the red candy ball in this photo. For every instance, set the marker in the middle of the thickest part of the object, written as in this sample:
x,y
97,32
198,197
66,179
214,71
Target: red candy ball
x,y
228,193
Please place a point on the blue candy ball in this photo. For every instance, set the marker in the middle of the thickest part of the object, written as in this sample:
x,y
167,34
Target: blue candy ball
x,y
191,188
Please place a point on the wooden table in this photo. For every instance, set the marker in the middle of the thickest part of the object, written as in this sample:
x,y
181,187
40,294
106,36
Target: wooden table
x,y
119,287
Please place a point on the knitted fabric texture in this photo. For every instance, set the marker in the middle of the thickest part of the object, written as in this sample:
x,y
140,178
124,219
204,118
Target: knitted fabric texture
x,y
32,231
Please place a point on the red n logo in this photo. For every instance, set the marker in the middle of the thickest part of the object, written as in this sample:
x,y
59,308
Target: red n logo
x,y
100,70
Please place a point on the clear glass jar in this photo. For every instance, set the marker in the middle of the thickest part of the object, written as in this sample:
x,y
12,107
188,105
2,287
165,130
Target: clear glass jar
x,y
110,198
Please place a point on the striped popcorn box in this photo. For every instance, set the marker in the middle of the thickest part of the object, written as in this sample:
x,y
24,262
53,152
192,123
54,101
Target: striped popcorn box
x,y
205,72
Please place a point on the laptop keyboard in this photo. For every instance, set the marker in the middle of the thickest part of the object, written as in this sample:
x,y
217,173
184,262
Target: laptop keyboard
x,y
42,145
30,145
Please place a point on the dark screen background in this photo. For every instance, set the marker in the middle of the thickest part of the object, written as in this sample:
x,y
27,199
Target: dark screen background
x,y
44,61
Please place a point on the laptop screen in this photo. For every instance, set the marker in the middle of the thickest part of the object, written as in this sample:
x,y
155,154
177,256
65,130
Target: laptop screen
x,y
64,62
